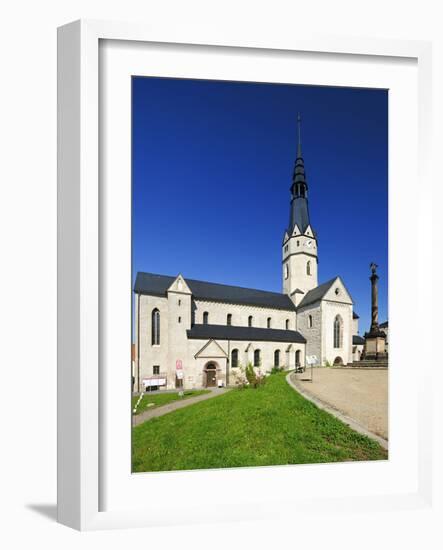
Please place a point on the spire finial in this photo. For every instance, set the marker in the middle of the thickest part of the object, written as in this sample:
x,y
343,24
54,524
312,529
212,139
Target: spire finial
x,y
299,135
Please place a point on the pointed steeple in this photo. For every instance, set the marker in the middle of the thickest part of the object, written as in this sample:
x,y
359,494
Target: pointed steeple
x,y
299,213
299,155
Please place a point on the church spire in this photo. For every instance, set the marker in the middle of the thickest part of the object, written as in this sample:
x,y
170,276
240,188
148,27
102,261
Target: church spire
x,y
299,214
299,155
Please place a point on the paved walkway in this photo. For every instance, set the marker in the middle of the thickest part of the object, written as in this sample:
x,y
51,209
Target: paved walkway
x,y
165,409
359,398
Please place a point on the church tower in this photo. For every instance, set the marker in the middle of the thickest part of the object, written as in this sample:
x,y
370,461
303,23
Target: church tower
x,y
300,251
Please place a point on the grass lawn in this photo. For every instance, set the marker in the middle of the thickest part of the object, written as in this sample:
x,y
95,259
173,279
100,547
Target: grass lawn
x,y
159,399
267,426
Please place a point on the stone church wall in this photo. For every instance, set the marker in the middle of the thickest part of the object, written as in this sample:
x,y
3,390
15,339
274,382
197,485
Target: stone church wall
x,y
175,319
218,313
312,334
329,312
150,355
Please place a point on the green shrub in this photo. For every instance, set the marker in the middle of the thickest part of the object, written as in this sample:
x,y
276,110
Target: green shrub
x,y
249,377
254,378
276,370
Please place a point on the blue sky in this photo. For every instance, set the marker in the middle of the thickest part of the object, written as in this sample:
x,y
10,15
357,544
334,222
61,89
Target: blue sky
x,y
212,166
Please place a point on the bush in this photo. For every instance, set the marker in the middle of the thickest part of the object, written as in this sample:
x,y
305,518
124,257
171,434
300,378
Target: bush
x,y
239,377
254,378
276,370
249,377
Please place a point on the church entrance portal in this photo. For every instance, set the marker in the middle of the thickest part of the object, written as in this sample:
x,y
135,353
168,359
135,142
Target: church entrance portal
x,y
211,375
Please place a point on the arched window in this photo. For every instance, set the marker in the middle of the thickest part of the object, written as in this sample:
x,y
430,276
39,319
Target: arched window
x,y
277,358
308,267
155,327
268,323
287,324
229,319
338,332
205,318
298,358
310,321
250,321
257,358
234,358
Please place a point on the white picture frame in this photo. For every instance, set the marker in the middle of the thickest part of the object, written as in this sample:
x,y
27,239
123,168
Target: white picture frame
x,y
82,441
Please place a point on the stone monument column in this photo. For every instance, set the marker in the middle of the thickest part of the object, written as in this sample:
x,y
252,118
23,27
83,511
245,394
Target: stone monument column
x,y
374,297
375,339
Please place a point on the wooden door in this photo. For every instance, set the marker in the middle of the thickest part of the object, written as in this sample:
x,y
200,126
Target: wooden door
x,y
211,378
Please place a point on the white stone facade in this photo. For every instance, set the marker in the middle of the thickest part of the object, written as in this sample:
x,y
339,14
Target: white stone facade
x,y
300,262
316,322
178,310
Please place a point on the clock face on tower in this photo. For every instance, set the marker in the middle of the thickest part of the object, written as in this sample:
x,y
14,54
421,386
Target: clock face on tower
x,y
309,243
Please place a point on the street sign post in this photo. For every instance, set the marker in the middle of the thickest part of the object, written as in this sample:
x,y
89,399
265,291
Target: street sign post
x,y
179,375
312,360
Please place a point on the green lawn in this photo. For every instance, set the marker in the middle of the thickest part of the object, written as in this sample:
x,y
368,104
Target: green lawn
x,y
159,399
267,426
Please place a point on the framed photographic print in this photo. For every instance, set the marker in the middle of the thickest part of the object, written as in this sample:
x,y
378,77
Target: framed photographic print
x,y
234,238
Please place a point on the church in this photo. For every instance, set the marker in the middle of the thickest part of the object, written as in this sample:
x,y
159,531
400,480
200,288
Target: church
x,y
197,334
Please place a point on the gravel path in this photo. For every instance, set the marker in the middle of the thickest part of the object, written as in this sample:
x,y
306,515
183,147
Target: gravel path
x,y
361,394
160,411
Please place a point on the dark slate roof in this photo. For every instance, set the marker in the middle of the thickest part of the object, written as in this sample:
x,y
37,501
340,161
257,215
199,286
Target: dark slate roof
x,y
384,325
157,285
356,339
230,332
299,215
316,293
355,316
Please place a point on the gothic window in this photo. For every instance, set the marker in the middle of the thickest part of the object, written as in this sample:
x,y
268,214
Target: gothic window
x,y
268,323
229,319
308,267
277,358
155,326
287,324
257,358
310,321
234,358
286,271
205,318
179,319
250,321
156,369
298,243
338,332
